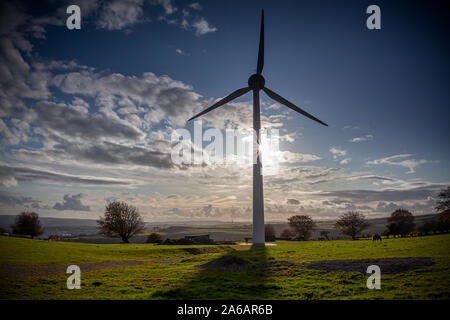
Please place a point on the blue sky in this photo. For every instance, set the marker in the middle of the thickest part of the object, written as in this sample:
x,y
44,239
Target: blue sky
x,y
87,115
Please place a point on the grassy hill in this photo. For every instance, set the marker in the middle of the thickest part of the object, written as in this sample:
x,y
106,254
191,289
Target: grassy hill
x,y
35,269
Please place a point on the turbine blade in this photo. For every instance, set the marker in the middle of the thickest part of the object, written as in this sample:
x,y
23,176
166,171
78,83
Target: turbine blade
x,y
227,99
288,104
261,46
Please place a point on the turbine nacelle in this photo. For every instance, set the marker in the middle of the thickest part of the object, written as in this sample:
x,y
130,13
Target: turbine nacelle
x,y
256,82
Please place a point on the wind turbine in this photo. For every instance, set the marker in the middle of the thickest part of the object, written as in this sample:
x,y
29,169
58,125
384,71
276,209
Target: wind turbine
x,y
256,83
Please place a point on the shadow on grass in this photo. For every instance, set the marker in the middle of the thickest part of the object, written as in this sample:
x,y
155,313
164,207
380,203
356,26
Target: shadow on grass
x,y
202,284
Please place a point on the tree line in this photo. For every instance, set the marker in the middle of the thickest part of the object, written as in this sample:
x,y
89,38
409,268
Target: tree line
x,y
124,221
352,224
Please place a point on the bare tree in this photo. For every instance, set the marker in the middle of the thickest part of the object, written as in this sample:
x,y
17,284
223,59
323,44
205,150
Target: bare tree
x,y
302,226
120,220
269,232
351,224
27,223
444,202
400,222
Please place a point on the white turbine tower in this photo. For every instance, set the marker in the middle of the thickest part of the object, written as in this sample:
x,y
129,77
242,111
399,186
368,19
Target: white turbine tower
x,y
256,83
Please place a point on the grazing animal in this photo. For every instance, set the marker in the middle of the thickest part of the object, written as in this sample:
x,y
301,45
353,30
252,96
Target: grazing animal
x,y
376,237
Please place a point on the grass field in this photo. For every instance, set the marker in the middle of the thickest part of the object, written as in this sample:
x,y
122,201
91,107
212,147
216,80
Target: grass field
x,y
35,269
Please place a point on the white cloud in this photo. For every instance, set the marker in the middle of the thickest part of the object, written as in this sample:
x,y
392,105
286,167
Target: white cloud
x,y
71,203
184,24
351,128
202,27
168,6
155,98
345,161
9,176
367,137
337,152
119,14
396,160
181,52
293,157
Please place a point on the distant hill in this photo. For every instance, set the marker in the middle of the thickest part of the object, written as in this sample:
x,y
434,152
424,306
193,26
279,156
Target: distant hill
x,y
84,230
60,226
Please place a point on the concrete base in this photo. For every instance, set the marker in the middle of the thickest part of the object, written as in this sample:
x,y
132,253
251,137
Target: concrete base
x,y
258,245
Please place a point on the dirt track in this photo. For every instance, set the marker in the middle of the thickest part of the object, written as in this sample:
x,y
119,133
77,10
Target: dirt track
x,y
26,270
387,266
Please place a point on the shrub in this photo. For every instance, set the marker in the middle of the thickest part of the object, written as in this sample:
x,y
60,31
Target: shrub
x,y
286,234
154,238
324,234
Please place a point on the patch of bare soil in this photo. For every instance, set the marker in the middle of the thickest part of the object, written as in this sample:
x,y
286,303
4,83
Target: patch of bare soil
x,y
233,263
280,263
27,270
227,263
387,266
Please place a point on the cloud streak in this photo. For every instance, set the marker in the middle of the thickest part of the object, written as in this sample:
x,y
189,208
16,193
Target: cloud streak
x,y
400,160
367,137
10,175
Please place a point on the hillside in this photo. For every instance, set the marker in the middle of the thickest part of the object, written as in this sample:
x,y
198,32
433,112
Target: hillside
x,y
36,269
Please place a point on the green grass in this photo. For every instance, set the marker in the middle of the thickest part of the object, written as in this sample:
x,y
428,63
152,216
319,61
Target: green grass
x,y
181,279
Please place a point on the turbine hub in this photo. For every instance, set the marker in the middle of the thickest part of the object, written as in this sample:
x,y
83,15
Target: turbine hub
x,y
256,82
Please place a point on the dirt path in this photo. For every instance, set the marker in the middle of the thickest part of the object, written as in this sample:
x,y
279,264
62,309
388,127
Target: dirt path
x,y
387,266
35,270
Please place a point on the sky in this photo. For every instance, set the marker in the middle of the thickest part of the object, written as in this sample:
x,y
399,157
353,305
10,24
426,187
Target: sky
x,y
87,116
